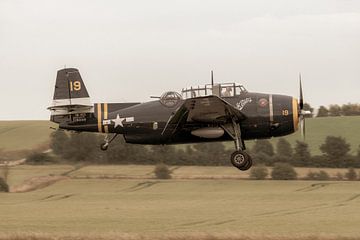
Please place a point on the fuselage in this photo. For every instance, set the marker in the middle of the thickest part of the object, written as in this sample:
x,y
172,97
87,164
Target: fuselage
x,y
267,116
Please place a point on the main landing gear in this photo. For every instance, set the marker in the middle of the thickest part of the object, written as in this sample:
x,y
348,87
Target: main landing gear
x,y
239,159
104,146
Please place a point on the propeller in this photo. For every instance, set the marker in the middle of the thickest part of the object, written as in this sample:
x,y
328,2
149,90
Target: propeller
x,y
302,113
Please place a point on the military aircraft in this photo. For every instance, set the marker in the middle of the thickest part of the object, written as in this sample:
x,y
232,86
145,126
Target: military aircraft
x,y
214,112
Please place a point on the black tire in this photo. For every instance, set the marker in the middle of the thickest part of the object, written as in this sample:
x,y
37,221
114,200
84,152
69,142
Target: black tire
x,y
104,146
239,159
247,166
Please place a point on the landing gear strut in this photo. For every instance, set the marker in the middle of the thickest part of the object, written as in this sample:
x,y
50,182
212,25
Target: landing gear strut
x,y
104,146
239,159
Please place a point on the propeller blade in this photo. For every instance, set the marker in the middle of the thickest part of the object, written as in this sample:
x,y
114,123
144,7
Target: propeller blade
x,y
302,112
303,128
301,100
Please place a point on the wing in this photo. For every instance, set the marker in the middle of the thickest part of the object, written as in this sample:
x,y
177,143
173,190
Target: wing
x,y
209,109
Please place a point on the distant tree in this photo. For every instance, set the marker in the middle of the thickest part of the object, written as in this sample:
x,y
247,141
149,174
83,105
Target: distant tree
x,y
334,110
120,152
263,146
351,175
283,148
210,154
319,176
59,142
302,156
323,176
82,147
319,161
339,176
358,153
350,109
259,172
162,171
164,154
263,158
346,109
5,172
335,149
307,107
323,112
187,156
283,171
4,187
36,158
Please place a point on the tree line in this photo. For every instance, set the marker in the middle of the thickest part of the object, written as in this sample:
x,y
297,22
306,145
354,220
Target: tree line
x,y
84,148
335,153
335,110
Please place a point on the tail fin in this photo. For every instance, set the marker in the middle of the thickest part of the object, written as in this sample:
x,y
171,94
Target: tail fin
x,y
70,96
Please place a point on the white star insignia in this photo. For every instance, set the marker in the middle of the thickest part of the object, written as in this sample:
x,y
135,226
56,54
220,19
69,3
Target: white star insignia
x,y
118,121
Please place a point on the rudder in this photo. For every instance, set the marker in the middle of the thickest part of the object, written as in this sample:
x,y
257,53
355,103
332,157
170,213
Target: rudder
x,y
70,89
70,96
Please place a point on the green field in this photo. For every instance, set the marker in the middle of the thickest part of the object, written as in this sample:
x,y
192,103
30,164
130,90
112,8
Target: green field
x,y
19,135
91,202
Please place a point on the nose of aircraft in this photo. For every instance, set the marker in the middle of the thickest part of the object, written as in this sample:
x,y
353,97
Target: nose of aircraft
x,y
295,110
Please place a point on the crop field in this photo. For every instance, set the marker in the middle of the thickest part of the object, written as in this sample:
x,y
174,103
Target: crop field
x,y
101,200
19,135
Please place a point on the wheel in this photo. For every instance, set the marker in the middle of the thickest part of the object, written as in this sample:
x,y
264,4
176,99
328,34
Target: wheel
x,y
247,165
239,159
104,146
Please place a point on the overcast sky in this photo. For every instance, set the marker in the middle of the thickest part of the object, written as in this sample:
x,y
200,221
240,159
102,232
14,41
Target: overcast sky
x,y
129,50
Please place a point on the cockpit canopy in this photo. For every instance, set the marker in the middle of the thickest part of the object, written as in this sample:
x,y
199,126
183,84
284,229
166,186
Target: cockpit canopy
x,y
221,90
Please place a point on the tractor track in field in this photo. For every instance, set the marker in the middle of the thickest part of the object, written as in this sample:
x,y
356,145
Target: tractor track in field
x,y
203,223
56,197
141,186
350,199
279,213
284,211
224,222
8,130
311,208
195,223
314,187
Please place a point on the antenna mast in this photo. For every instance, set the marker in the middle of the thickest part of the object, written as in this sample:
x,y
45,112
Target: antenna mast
x,y
212,78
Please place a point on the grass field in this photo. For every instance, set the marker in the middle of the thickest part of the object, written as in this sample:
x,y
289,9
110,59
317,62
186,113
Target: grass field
x,y
21,173
20,135
224,207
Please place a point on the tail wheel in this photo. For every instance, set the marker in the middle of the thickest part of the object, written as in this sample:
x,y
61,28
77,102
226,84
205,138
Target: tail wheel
x,y
104,146
239,159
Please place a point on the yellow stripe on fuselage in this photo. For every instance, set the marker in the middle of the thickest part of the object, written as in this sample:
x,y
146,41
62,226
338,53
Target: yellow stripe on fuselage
x,y
106,128
99,117
295,114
